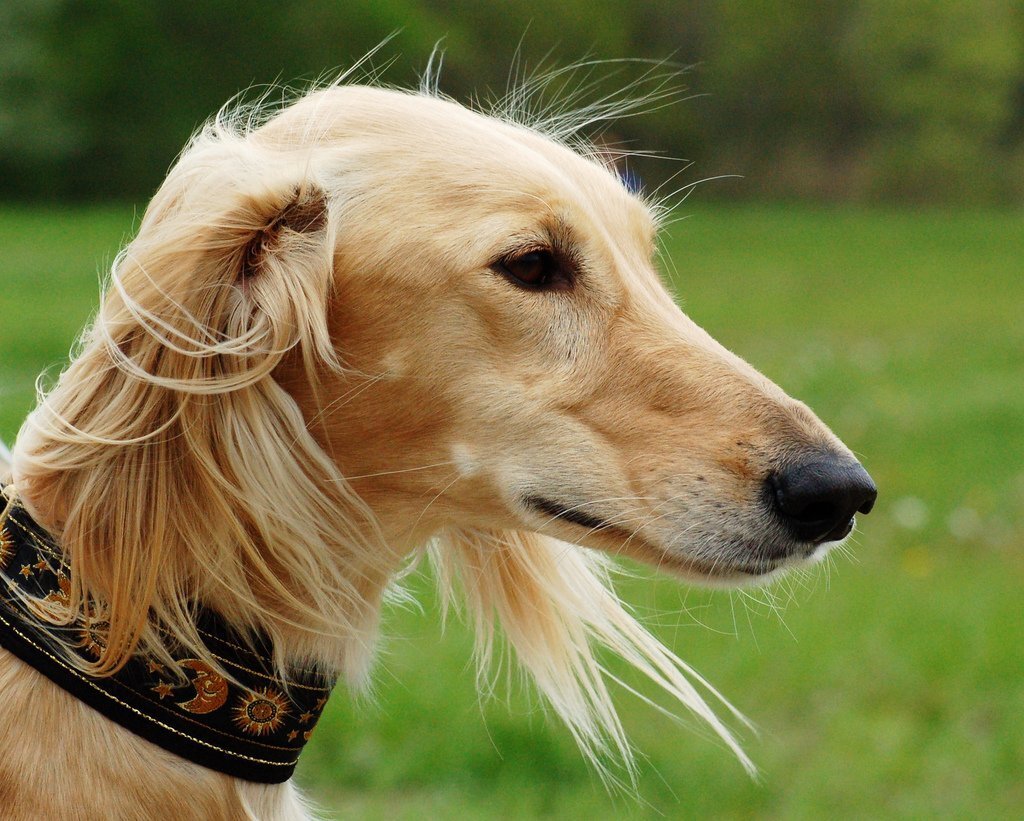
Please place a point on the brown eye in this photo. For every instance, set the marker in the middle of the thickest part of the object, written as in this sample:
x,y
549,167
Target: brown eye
x,y
536,270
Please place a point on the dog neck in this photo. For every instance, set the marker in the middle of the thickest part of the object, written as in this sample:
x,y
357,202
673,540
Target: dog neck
x,y
342,641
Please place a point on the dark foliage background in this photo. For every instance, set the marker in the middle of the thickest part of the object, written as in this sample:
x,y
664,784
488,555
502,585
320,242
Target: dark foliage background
x,y
862,100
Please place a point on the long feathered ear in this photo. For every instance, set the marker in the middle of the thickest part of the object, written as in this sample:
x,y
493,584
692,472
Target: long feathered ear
x,y
172,465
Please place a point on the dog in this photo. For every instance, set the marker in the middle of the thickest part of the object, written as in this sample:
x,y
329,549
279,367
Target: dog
x,y
372,325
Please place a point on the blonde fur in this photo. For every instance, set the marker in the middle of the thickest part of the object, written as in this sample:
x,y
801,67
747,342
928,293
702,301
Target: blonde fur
x,y
262,419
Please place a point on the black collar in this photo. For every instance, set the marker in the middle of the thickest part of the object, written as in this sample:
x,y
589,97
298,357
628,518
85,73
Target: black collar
x,y
254,729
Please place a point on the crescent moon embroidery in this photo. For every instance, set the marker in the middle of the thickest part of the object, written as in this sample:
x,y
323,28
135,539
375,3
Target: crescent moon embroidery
x,y
62,595
211,688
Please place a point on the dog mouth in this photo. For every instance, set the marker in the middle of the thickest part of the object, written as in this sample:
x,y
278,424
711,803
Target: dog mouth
x,y
558,511
760,562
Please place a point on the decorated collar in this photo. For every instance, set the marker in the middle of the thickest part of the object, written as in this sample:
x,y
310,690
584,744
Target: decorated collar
x,y
252,727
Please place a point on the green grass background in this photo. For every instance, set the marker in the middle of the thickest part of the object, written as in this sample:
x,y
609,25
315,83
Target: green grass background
x,y
892,686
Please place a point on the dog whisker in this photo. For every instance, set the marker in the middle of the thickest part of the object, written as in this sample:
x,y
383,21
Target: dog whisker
x,y
401,470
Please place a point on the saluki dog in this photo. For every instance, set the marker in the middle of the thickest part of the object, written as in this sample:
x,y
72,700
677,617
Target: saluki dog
x,y
370,325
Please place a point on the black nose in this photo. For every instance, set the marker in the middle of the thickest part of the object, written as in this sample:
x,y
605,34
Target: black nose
x,y
818,498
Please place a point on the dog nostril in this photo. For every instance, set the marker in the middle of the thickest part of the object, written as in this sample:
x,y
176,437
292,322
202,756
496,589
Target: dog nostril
x,y
869,502
818,498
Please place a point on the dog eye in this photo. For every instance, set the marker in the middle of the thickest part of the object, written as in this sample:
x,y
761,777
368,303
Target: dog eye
x,y
536,270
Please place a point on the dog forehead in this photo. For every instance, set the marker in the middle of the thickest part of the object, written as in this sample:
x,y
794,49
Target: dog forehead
x,y
462,158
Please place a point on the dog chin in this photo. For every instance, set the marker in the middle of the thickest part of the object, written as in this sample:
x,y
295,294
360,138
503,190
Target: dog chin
x,y
726,576
794,562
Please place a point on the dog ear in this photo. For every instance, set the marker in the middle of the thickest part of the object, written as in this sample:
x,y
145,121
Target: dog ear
x,y
172,465
301,215
244,243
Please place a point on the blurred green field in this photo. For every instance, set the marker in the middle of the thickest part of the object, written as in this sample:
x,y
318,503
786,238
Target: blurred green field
x,y
892,686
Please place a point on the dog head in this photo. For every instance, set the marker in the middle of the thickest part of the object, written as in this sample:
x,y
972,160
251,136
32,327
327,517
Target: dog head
x,y
515,362
380,319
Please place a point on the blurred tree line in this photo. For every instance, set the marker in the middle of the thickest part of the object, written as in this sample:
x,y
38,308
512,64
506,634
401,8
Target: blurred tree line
x,y
916,100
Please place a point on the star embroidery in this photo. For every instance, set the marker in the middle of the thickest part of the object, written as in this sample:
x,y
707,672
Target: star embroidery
x,y
305,718
320,702
25,571
153,667
293,735
41,565
307,734
163,689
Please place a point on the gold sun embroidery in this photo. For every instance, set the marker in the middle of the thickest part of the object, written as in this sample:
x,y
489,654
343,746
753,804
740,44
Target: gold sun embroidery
x,y
6,548
90,639
261,711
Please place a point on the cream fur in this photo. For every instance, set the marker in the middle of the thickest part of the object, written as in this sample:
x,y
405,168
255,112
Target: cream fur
x,y
305,370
